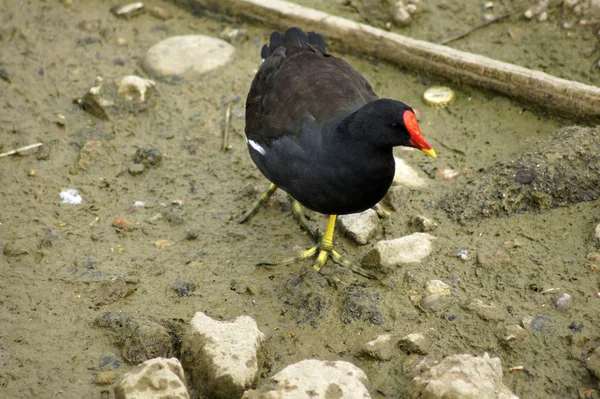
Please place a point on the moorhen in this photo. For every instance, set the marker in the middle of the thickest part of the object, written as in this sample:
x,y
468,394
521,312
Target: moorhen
x,y
316,129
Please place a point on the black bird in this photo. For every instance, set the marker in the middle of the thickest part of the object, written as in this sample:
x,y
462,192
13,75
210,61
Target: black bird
x,y
316,129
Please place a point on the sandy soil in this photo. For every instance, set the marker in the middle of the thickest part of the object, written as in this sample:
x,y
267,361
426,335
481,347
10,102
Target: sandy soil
x,y
58,259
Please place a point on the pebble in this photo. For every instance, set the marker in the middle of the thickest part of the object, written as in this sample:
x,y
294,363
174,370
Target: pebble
x,y
123,225
136,169
71,197
437,287
538,324
160,13
148,156
133,87
423,224
485,312
415,343
381,348
361,227
543,17
106,378
128,10
405,175
394,198
221,356
528,14
154,379
597,232
400,14
180,57
318,379
233,35
390,253
513,334
140,338
462,376
592,363
121,42
562,301
576,326
435,302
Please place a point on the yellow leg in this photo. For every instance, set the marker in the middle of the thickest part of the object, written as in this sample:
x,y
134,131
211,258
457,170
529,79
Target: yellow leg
x,y
256,206
301,218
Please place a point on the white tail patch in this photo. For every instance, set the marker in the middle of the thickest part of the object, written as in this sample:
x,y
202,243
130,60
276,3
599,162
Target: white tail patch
x,y
256,146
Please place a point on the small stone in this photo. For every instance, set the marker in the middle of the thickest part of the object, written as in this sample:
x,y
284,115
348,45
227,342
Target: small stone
x,y
423,224
106,378
462,376
538,324
314,378
592,363
488,17
593,256
381,348
437,287
461,254
543,17
597,232
361,227
400,15
493,258
528,14
153,379
488,5
183,288
160,13
123,225
222,357
415,343
133,87
391,253
513,333
128,10
189,56
136,169
576,326
435,302
405,175
71,196
31,173
233,35
394,198
148,156
161,244
121,42
191,235
485,312
562,301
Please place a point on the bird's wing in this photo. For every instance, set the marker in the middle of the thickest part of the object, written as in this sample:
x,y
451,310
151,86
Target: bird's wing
x,y
302,88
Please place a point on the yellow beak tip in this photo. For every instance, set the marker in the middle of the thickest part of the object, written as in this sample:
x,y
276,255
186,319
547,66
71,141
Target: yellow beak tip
x,y
430,152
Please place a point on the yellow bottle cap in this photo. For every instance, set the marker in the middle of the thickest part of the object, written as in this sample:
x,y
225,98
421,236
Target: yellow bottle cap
x,y
439,96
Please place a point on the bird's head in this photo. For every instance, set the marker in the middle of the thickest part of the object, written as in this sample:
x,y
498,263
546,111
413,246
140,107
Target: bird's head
x,y
393,123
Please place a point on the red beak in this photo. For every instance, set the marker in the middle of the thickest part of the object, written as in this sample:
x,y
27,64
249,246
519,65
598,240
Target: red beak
x,y
416,137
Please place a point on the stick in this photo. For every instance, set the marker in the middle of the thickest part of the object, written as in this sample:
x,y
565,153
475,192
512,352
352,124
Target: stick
x,y
226,133
483,25
19,150
549,93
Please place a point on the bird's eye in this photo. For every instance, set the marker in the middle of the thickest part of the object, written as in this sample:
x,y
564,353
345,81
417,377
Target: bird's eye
x,y
394,125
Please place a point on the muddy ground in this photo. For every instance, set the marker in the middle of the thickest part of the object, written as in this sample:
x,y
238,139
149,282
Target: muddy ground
x,y
58,258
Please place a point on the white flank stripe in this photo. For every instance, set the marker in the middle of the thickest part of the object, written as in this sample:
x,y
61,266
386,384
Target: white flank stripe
x,y
256,146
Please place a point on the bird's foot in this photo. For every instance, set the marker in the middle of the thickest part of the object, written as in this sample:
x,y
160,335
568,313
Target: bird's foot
x,y
298,212
322,255
258,203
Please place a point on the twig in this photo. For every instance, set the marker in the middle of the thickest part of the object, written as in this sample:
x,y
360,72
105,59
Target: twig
x,y
460,36
19,150
226,133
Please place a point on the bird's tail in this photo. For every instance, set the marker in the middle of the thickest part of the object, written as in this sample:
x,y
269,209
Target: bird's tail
x,y
293,37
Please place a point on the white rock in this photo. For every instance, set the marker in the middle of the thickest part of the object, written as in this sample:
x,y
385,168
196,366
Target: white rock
x,y
390,253
415,343
71,196
317,379
360,226
543,17
131,87
381,348
462,376
187,56
528,14
597,231
406,176
400,14
437,287
153,379
222,357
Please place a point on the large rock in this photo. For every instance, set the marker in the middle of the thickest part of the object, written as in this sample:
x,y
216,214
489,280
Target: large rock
x,y
462,376
154,379
390,253
360,226
315,379
406,176
189,56
222,357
